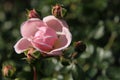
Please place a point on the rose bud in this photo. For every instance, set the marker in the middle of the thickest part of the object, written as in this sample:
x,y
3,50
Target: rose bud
x,y
58,11
8,70
80,47
32,14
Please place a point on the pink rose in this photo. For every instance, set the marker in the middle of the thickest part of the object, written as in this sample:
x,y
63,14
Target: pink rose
x,y
49,36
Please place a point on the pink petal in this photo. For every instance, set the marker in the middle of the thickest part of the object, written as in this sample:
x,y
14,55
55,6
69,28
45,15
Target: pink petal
x,y
44,39
62,30
55,23
22,45
29,27
41,46
63,41
54,53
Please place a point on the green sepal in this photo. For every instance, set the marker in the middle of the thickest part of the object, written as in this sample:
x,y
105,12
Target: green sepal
x,y
36,54
25,52
64,12
38,12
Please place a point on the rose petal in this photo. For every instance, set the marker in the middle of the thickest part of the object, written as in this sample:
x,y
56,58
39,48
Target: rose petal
x,y
22,45
55,23
44,39
62,30
29,27
60,42
41,46
63,41
54,53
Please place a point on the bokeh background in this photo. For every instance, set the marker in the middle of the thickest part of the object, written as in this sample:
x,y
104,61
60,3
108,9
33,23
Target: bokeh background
x,y
96,22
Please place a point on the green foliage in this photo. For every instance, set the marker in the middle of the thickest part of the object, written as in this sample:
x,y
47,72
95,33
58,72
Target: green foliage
x,y
77,72
96,22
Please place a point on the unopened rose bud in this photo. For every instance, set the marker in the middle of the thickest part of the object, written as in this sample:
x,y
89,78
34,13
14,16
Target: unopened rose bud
x,y
33,14
58,11
80,47
8,70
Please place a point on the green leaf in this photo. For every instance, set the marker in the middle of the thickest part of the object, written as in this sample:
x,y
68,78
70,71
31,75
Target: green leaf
x,y
46,67
77,72
113,73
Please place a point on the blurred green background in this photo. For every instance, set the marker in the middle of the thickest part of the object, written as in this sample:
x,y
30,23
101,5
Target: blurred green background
x,y
96,22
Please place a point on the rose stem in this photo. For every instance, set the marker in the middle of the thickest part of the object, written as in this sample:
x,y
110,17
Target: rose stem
x,y
35,73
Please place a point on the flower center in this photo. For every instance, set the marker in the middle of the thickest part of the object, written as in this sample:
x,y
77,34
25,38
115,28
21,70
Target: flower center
x,y
45,39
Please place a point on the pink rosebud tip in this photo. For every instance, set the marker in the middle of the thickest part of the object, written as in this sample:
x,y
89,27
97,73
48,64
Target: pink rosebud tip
x,y
58,11
8,70
32,14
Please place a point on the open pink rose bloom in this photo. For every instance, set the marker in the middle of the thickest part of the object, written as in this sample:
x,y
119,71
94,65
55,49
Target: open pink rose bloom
x,y
49,36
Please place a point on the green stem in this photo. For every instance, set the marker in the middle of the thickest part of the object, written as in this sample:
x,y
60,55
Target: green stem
x,y
111,40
